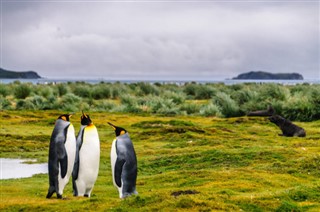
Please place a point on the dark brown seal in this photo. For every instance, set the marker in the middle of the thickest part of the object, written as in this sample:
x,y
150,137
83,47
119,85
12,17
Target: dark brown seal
x,y
287,127
269,112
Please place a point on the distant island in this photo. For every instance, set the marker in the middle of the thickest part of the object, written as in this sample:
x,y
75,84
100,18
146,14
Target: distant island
x,y
260,75
6,74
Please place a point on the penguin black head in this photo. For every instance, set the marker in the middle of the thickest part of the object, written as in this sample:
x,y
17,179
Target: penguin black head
x,y
85,119
65,117
118,130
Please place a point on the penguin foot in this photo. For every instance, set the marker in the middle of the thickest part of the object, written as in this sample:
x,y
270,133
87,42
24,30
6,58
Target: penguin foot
x,y
50,192
125,195
49,195
86,195
59,196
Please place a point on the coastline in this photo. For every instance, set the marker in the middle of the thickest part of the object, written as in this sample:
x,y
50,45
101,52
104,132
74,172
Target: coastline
x,y
128,81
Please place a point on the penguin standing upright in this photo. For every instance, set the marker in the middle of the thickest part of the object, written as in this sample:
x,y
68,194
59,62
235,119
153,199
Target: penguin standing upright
x,y
62,152
86,166
123,163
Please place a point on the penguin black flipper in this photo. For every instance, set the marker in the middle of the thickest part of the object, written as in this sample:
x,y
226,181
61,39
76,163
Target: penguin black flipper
x,y
118,171
63,159
79,141
75,171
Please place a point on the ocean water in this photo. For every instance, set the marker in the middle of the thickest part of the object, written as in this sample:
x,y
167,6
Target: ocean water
x,y
96,81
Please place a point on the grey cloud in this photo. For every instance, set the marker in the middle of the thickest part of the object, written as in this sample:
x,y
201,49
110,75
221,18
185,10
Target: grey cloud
x,y
172,40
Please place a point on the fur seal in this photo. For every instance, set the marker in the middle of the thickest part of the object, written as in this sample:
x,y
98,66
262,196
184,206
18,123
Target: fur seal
x,y
287,127
269,112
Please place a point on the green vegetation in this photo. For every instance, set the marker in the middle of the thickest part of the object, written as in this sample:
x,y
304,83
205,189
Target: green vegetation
x,y
294,102
185,163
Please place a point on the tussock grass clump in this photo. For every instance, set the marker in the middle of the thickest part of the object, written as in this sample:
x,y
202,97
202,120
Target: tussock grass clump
x,y
4,90
294,102
229,108
5,104
22,91
210,109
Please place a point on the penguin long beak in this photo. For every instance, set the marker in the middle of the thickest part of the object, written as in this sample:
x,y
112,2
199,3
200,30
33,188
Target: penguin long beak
x,y
84,115
114,127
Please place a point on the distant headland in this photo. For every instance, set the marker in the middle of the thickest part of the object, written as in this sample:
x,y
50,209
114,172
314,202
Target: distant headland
x,y
6,74
261,75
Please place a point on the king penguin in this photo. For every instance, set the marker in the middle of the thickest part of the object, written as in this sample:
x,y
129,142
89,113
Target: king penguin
x,y
86,167
62,152
123,163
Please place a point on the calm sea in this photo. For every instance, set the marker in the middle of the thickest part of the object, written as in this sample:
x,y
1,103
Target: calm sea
x,y
95,81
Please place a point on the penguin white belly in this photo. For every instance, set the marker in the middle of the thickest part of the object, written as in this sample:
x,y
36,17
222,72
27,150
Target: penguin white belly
x,y
89,160
114,156
70,146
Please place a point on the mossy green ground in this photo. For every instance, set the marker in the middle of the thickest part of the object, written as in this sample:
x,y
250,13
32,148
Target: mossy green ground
x,y
229,164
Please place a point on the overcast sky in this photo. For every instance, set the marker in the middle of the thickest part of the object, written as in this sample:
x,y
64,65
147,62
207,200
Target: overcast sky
x,y
178,40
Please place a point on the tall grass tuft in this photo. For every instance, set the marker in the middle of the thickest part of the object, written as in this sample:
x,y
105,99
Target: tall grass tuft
x,y
4,90
270,91
69,102
22,91
210,110
228,107
130,104
190,108
62,89
200,91
299,107
104,105
5,104
83,91
176,97
101,91
45,91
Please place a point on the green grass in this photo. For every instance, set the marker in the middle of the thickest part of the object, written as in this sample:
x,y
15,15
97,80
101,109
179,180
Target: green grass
x,y
229,164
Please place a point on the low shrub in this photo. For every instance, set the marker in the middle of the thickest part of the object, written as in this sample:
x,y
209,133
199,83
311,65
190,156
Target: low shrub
x,y
5,104
22,91
4,90
69,102
228,107
210,110
62,89
104,105
101,91
190,108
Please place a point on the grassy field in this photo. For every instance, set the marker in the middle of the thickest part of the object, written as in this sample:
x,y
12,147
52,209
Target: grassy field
x,y
185,163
